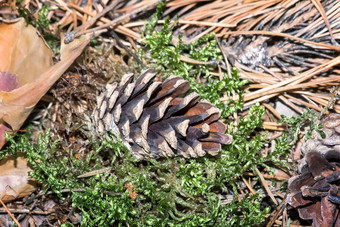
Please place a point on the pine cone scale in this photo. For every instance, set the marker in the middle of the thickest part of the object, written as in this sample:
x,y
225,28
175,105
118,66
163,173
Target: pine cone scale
x,y
315,191
167,131
179,104
172,87
217,127
117,112
113,98
306,213
110,89
103,109
211,148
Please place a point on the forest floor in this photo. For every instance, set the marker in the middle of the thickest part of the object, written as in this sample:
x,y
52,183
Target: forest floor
x,y
271,67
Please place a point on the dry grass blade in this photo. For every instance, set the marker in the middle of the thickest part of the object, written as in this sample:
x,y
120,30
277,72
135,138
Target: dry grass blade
x,y
273,126
263,32
280,178
97,16
295,80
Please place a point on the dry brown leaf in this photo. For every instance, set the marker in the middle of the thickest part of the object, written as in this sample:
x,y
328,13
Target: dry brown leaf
x,y
23,52
14,179
26,55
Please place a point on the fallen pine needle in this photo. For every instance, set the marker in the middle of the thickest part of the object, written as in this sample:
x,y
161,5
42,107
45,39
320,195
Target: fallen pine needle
x,y
265,185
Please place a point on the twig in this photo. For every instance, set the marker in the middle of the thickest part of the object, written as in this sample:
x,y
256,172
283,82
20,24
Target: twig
x,y
26,211
248,186
10,213
119,19
114,35
278,211
102,13
198,23
291,225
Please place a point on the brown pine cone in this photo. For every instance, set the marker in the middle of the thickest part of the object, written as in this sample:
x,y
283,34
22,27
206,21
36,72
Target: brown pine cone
x,y
153,120
315,191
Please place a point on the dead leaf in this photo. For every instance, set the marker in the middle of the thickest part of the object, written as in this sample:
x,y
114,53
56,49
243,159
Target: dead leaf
x,y
23,51
14,179
8,82
25,54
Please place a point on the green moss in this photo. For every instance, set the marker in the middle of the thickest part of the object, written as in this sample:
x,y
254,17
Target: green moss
x,y
41,22
173,192
307,119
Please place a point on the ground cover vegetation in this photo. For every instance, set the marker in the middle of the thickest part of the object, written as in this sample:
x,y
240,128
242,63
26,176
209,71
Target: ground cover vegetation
x,y
119,190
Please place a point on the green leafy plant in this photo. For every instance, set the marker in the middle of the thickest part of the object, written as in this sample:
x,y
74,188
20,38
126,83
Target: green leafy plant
x,y
41,21
308,118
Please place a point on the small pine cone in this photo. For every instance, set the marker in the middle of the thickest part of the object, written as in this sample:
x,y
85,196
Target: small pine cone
x,y
315,191
154,121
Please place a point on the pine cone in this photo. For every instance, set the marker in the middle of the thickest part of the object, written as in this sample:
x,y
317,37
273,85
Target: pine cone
x,y
154,121
315,191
